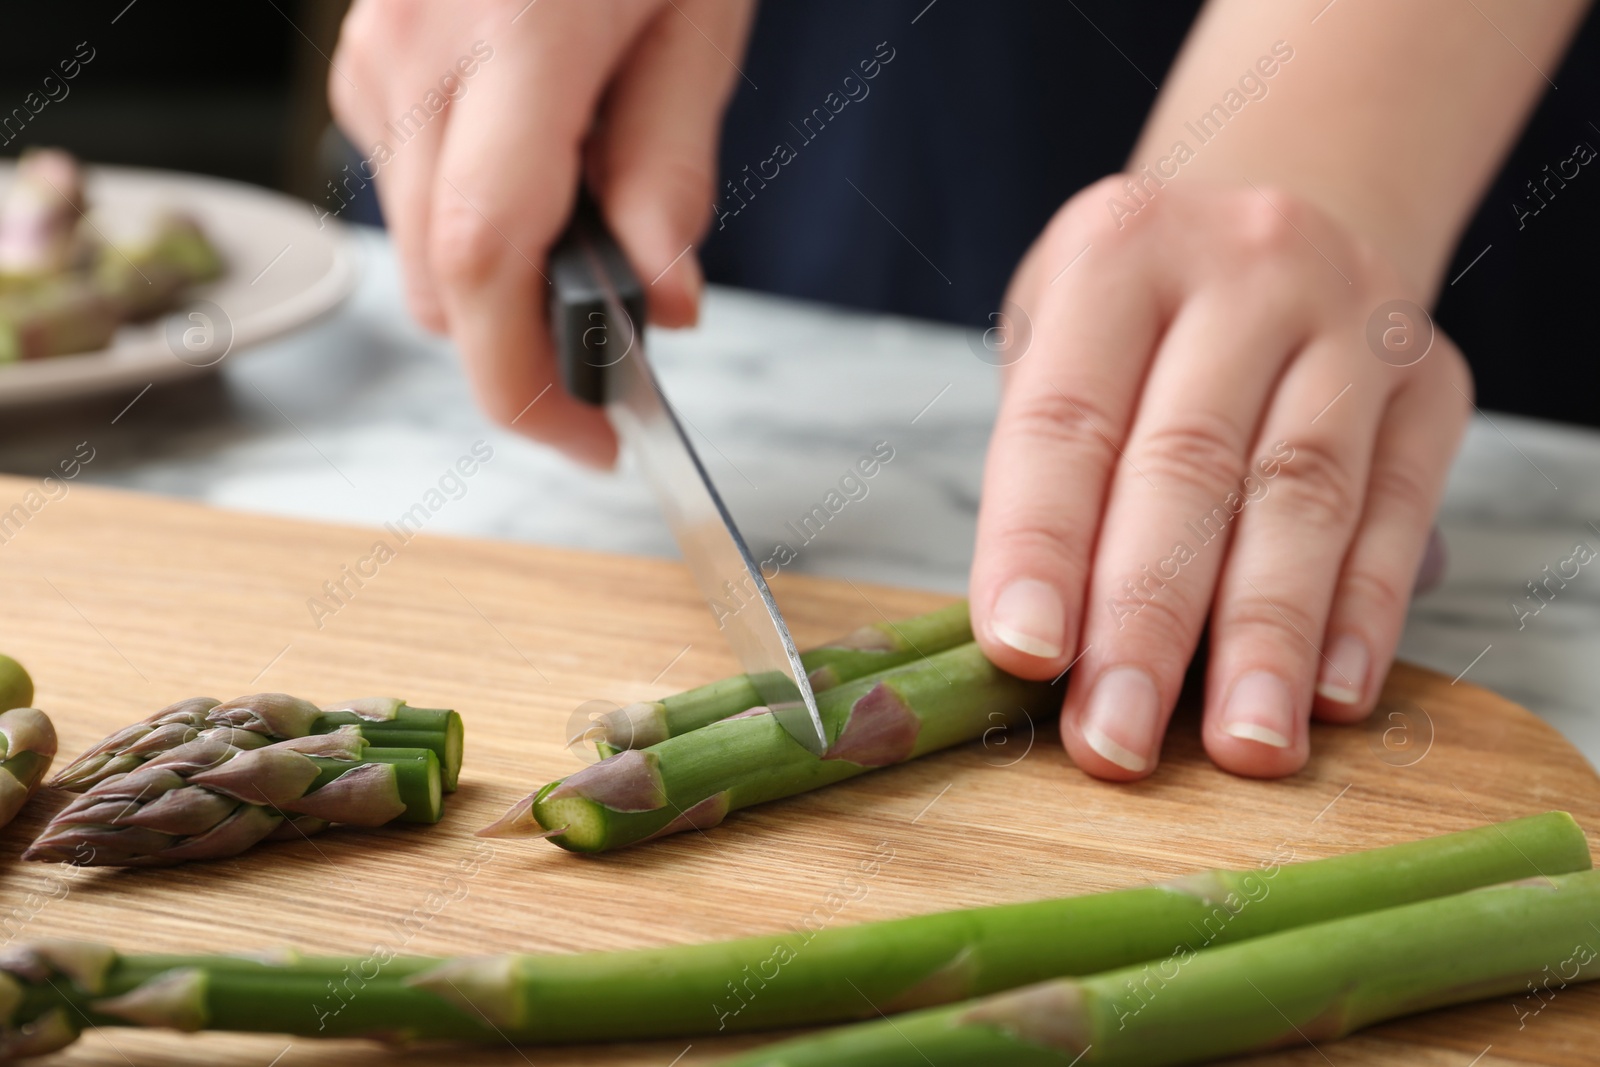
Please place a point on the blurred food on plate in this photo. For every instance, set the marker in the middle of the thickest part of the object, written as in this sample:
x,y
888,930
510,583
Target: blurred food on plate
x,y
69,275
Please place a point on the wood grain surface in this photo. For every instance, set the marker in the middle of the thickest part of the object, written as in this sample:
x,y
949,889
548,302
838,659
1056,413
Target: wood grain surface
x,y
120,604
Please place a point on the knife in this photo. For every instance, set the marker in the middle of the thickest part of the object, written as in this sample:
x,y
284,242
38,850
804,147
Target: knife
x,y
597,315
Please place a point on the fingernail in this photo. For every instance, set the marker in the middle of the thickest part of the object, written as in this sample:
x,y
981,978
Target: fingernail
x,y
1259,709
1029,617
1120,720
1344,675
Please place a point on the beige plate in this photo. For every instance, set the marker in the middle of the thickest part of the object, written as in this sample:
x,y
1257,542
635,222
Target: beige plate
x,y
283,272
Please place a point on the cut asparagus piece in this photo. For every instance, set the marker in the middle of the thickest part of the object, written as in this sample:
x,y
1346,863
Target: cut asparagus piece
x,y
694,780
147,271
50,989
16,687
265,718
1310,984
207,798
27,745
39,216
55,316
868,650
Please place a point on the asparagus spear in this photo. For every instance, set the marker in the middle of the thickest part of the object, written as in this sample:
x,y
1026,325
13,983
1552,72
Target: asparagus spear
x,y
694,780
207,798
50,989
1309,984
27,745
254,721
868,650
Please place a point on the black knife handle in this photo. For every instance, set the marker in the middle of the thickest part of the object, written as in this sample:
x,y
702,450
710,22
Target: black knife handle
x,y
584,264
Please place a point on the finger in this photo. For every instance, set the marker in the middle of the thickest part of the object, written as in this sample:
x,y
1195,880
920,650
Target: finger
x,y
1168,519
1417,441
1277,585
405,190
654,157
503,194
1065,410
398,152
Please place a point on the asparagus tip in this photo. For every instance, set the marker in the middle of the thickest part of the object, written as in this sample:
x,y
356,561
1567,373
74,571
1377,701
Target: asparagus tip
x,y
271,713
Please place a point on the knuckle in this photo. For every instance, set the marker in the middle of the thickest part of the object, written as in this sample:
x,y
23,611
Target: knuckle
x,y
1050,420
1090,216
1200,449
1055,546
1374,594
1283,620
358,32
1316,485
1271,222
1166,620
1403,486
463,249
687,187
343,99
676,186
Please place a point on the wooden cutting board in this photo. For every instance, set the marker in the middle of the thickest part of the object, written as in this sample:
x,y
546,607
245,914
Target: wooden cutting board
x,y
120,604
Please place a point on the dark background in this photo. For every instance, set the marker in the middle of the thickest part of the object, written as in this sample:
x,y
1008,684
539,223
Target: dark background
x,y
941,147
228,89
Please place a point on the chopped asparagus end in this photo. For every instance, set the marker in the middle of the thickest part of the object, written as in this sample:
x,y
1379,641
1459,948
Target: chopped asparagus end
x,y
16,687
455,743
575,823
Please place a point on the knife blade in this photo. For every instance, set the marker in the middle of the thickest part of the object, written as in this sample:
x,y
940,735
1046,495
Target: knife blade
x,y
597,315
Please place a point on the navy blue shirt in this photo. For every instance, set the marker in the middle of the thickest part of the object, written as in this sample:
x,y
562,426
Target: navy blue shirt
x,y
900,156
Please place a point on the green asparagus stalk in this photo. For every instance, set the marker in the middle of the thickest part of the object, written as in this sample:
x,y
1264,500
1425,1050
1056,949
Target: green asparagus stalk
x,y
27,745
869,650
1314,983
265,718
811,975
692,781
207,798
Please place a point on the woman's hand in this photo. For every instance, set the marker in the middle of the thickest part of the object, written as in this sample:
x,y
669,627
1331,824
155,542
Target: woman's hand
x,y
1198,429
480,116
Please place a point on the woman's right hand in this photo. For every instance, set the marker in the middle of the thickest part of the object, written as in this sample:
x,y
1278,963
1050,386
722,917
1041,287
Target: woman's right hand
x,y
479,117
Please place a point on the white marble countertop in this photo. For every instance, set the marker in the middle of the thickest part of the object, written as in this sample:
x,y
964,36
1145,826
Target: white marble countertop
x,y
353,419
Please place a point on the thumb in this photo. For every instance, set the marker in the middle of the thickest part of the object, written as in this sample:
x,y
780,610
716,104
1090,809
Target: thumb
x,y
653,159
